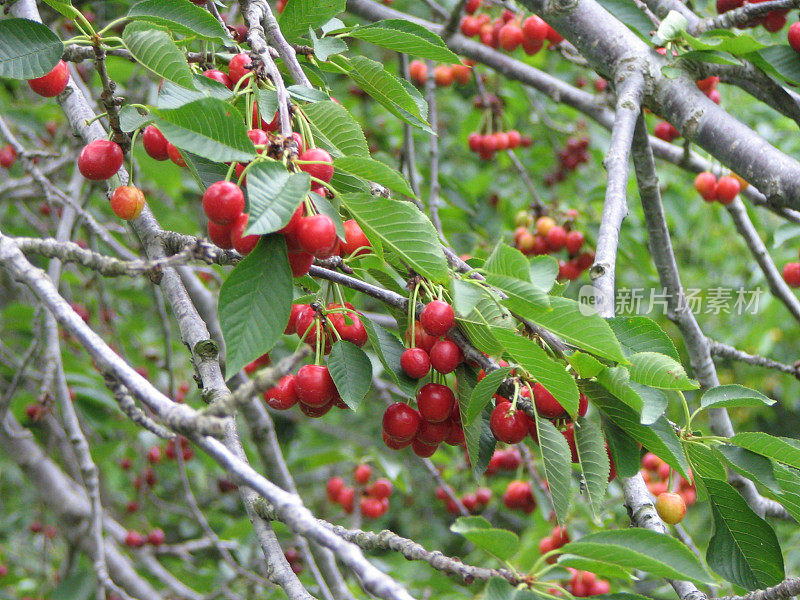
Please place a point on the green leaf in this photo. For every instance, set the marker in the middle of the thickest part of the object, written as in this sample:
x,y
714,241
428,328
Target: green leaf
x,y
478,324
557,464
267,104
389,348
594,462
175,96
207,172
406,37
386,88
733,396
299,15
789,480
640,334
273,194
331,122
209,128
624,449
744,548
154,49
327,46
255,301
466,295
543,272
660,371
182,17
617,381
62,6
351,371
28,49
538,363
508,261
598,567
658,437
376,171
785,450
131,119
403,229
307,94
780,60
655,553
705,462
478,435
586,365
629,14
751,465
483,393
522,297
500,542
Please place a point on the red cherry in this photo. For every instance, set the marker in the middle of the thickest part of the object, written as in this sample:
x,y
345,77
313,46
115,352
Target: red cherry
x,y
445,356
371,508
315,412
727,189
437,318
346,498
381,488
531,47
422,449
574,242
334,488
706,184
435,402
518,494
421,338
291,326
665,131
471,6
243,244
8,155
284,395
324,170
791,274
223,202
434,433
546,404
354,240
793,36
300,263
134,539
154,455
483,495
569,435
514,138
298,140
534,28
314,385
127,202
418,71
156,537
362,474
774,21
559,536
456,435
394,444
470,26
100,160
220,235
175,155
239,67
508,426
415,362
510,37
219,76
291,227
556,238
583,405
317,235
401,422
53,83
155,144
443,75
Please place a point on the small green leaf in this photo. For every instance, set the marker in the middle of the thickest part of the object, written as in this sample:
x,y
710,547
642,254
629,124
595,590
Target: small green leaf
x,y
659,371
655,553
376,171
154,49
478,435
406,37
351,371
273,194
299,15
522,297
389,349
500,542
466,296
483,393
255,301
640,334
28,49
336,126
182,17
733,396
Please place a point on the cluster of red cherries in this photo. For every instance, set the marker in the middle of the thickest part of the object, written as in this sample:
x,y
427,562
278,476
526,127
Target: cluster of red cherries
x,y
583,584
548,237
486,145
574,153
430,347
135,539
557,539
723,190
508,31
443,75
374,498
473,501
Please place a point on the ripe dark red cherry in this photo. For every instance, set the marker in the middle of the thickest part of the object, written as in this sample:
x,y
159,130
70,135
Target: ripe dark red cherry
x,y
435,402
53,83
243,244
355,332
127,202
315,412
534,28
791,274
382,488
362,474
324,170
175,155
8,155
569,435
727,189
220,235
314,385
706,184
422,449
445,356
284,395
437,318
583,405
556,238
508,426
415,362
239,67
134,539
354,238
574,242
400,422
219,76
434,433
155,144
793,36
317,235
223,202
300,263
546,404
99,160
156,537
